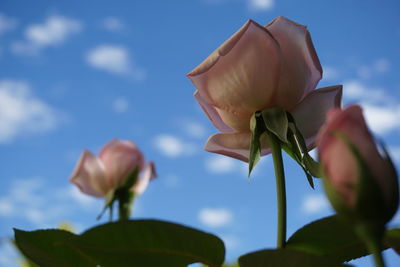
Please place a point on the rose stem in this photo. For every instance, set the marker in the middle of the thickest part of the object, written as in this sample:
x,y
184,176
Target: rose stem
x,y
124,206
280,188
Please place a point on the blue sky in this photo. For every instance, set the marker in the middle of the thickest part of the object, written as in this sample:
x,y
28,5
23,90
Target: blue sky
x,y
74,76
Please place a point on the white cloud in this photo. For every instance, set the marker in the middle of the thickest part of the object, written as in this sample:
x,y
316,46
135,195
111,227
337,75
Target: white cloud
x,y
381,110
381,65
6,208
194,129
54,31
314,203
33,200
330,73
120,105
220,164
21,113
260,5
382,119
394,152
356,90
113,24
114,59
172,146
215,217
80,198
7,24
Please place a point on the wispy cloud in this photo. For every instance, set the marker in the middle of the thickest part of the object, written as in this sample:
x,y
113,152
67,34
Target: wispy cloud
x,y
394,152
330,73
314,204
215,217
22,113
120,105
114,59
7,24
219,164
113,24
382,119
55,30
260,5
194,129
32,200
380,109
172,146
379,66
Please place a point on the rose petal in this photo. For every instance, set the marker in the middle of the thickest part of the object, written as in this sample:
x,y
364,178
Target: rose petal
x,y
89,175
120,158
235,145
212,114
246,74
148,174
301,67
310,114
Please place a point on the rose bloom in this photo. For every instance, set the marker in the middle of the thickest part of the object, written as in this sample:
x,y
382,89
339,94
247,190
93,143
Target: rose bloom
x,y
96,176
256,69
340,164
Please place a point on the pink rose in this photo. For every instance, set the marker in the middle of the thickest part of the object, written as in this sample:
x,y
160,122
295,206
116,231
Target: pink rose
x,y
340,164
96,176
256,69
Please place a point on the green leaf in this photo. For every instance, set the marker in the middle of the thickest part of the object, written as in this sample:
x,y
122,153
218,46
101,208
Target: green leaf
x,y
257,129
276,121
147,243
392,239
48,248
285,258
328,237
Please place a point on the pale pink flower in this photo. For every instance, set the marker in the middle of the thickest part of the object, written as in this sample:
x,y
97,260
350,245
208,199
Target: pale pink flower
x,y
256,69
96,176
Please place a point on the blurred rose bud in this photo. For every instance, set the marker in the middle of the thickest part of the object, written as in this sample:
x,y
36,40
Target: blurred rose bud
x,y
96,176
275,66
358,178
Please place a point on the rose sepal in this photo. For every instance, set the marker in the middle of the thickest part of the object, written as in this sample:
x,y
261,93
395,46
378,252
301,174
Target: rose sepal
x,y
124,195
282,125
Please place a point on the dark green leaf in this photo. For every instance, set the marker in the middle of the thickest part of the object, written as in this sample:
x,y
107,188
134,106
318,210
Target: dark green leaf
x,y
328,237
48,248
285,258
147,243
276,121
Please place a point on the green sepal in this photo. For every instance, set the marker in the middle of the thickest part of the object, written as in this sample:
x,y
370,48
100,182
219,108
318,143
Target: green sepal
x,y
276,121
392,182
257,128
123,194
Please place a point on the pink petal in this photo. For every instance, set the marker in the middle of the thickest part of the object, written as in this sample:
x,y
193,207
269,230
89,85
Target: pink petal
x,y
212,114
234,145
120,158
89,175
301,67
148,174
245,75
310,114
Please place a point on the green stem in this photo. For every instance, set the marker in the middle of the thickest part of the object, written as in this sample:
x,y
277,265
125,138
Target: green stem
x,y
371,234
124,205
280,188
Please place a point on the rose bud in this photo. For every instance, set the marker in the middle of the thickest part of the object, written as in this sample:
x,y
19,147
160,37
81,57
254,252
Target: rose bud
x,y
360,182
258,68
96,176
